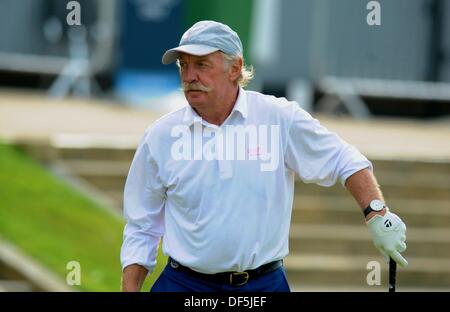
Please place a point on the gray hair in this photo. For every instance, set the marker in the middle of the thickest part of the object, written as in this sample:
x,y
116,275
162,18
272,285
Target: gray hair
x,y
247,72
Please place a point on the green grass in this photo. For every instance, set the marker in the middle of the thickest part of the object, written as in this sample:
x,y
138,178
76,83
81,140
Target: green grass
x,y
55,224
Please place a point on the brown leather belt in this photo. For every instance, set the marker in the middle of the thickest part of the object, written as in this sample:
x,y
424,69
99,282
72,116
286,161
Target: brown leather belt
x,y
231,278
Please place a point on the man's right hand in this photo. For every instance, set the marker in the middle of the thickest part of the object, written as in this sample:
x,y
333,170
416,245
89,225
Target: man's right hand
x,y
133,278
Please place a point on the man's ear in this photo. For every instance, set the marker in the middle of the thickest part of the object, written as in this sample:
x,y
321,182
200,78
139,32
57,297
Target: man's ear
x,y
235,69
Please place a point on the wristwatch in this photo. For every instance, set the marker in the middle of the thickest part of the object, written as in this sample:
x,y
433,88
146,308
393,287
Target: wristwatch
x,y
375,205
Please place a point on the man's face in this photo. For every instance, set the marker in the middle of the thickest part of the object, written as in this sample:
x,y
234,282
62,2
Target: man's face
x,y
205,80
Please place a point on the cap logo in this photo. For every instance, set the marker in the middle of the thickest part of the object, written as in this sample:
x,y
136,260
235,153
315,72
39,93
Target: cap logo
x,y
186,35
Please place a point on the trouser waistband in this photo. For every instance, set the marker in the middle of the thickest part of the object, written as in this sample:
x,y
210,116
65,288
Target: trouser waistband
x,y
231,278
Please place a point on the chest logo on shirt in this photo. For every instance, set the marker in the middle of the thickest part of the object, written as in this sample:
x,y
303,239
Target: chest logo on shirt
x,y
231,142
255,152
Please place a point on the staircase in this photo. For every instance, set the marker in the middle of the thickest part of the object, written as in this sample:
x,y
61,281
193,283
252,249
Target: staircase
x,y
330,246
21,273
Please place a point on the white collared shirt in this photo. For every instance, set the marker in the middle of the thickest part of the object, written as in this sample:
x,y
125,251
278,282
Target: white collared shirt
x,y
227,209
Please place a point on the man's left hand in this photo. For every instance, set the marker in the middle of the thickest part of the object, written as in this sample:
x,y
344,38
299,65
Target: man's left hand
x,y
389,236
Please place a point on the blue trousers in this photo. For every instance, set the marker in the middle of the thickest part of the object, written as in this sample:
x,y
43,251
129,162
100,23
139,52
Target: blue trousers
x,y
172,280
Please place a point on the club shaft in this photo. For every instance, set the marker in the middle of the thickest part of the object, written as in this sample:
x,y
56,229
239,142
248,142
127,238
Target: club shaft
x,y
392,274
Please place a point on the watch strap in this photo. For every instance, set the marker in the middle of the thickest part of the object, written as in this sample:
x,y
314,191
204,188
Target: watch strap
x,y
367,211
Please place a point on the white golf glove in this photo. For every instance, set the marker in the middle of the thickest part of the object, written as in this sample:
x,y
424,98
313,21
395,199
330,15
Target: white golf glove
x,y
389,236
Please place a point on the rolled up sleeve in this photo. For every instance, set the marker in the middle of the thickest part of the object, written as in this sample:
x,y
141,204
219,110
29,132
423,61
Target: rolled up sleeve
x,y
144,199
318,155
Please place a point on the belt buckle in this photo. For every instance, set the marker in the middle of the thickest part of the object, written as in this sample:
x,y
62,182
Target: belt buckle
x,y
245,274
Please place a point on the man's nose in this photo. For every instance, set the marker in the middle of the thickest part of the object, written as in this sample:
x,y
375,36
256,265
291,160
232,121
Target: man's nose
x,y
189,74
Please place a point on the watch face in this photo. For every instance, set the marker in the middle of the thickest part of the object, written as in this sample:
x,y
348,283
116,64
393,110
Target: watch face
x,y
376,204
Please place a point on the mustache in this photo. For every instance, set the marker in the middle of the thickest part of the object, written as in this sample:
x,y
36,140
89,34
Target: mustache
x,y
195,86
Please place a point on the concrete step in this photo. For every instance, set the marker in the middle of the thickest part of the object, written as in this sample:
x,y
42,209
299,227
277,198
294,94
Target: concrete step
x,y
108,168
336,271
15,286
122,147
388,189
87,164
112,174
50,151
130,142
356,240
98,154
105,145
338,210
112,181
15,265
105,183
335,209
94,158
410,166
115,196
426,178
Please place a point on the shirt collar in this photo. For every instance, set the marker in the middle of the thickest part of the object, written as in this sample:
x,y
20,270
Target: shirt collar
x,y
191,116
241,103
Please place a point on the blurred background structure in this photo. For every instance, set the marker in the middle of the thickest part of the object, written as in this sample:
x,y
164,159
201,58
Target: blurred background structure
x,y
76,100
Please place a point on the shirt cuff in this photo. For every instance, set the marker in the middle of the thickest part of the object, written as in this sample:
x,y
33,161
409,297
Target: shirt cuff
x,y
139,251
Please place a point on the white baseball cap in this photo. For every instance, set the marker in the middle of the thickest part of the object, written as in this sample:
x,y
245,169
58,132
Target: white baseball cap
x,y
203,38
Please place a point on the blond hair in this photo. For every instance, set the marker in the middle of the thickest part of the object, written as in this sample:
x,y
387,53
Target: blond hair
x,y
247,71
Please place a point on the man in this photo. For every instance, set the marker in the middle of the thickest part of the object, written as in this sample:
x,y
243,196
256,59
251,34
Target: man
x,y
223,204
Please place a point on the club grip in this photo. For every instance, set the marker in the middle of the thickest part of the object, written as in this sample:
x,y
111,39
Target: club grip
x,y
392,274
